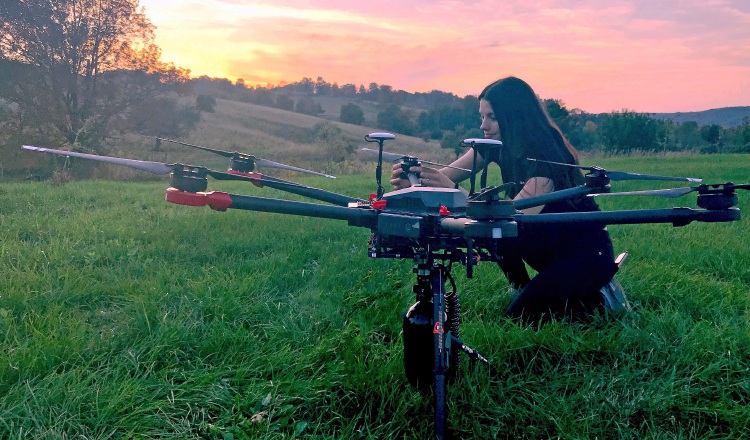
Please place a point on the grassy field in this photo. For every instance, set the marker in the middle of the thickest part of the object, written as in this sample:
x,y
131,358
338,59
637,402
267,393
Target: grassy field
x,y
122,316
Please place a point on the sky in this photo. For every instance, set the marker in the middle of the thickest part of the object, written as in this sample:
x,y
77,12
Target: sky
x,y
648,56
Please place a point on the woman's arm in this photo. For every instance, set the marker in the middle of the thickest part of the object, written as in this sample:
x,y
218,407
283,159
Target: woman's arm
x,y
535,186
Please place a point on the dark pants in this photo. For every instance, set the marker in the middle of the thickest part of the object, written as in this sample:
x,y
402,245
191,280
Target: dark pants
x,y
567,288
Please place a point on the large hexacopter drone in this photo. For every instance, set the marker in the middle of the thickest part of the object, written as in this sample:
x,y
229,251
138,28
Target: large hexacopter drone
x,y
434,227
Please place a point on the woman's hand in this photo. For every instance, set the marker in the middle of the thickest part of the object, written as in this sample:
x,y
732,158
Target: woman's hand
x,y
427,177
433,177
397,180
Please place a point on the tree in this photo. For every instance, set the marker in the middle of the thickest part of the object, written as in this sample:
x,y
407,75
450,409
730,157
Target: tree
x,y
627,131
349,91
352,114
205,103
330,138
394,118
308,106
322,87
284,102
79,53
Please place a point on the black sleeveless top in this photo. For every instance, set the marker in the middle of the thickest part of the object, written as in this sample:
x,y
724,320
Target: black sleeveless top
x,y
543,244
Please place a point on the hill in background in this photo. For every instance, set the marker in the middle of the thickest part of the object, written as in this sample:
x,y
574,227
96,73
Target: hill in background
x,y
726,117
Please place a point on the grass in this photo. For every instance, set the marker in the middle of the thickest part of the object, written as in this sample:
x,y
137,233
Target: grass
x,y
122,316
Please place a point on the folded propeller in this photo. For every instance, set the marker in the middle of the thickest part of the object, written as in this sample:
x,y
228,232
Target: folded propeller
x,y
244,162
620,175
188,178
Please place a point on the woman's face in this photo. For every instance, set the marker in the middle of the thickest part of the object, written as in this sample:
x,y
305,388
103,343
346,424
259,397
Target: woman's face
x,y
489,126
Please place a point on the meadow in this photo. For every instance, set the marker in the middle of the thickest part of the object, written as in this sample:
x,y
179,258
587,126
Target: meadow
x,y
123,316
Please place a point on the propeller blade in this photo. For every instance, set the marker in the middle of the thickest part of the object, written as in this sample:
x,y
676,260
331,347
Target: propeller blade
x,y
259,162
143,165
621,175
669,193
271,164
212,150
395,156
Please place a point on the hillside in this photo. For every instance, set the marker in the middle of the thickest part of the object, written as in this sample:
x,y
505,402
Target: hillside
x,y
266,132
726,117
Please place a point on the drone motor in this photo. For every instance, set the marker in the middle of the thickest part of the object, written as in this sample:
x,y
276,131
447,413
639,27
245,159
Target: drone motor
x,y
188,179
244,164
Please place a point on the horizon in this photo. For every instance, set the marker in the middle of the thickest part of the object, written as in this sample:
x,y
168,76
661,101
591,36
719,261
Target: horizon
x,y
674,56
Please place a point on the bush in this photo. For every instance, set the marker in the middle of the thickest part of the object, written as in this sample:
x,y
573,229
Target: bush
x,y
352,114
284,102
308,106
205,103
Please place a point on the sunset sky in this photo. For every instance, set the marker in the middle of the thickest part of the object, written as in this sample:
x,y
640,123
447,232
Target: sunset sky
x,y
598,56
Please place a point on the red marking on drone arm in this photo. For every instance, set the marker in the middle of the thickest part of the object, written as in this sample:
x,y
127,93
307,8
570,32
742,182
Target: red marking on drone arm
x,y
379,204
438,329
218,201
257,183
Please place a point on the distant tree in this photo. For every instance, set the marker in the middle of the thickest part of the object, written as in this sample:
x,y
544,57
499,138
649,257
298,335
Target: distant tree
x,y
205,103
627,131
349,91
307,86
460,113
162,116
452,139
284,102
373,92
386,95
739,137
322,87
556,109
308,106
711,133
352,114
263,97
687,136
394,118
330,138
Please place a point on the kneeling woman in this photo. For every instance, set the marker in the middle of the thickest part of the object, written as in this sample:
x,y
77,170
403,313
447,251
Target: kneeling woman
x,y
573,262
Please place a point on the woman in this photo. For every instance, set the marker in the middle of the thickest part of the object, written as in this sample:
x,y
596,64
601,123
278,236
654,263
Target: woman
x,y
572,261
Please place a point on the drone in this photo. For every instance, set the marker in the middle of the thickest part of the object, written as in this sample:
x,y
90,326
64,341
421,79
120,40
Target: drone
x,y
436,228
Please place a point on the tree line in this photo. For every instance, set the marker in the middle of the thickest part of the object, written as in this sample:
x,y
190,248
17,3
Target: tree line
x,y
449,118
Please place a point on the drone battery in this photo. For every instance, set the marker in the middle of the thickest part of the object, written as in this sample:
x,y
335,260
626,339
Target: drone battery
x,y
418,345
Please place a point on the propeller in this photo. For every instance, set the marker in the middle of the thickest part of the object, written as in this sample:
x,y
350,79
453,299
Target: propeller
x,y
621,175
192,178
395,156
153,167
143,165
721,188
247,157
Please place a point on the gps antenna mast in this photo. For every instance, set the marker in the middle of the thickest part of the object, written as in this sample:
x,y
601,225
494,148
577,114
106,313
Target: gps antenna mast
x,y
379,138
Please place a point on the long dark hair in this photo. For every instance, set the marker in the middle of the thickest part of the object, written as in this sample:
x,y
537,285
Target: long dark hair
x,y
527,131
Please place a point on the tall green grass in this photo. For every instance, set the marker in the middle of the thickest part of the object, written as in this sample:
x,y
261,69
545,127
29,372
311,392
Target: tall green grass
x,y
122,316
